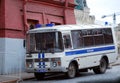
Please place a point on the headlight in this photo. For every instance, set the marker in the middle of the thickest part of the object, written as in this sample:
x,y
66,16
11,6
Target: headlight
x,y
54,64
28,55
29,65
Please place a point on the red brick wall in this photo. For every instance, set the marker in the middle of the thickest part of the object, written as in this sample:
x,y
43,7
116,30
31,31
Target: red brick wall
x,y
2,19
11,17
2,14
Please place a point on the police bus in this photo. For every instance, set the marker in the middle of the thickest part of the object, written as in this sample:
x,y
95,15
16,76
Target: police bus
x,y
70,49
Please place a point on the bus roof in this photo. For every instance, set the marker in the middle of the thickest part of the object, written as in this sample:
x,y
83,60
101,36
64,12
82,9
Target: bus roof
x,y
65,28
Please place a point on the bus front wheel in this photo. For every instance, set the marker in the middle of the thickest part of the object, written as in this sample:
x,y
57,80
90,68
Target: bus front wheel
x,y
71,71
101,68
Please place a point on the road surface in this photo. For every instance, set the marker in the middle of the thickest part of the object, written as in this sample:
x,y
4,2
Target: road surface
x,y
111,76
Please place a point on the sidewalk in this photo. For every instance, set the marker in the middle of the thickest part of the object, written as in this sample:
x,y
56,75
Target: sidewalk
x,y
25,76
117,62
15,78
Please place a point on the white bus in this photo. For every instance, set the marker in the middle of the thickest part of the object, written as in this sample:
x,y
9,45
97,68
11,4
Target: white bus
x,y
70,49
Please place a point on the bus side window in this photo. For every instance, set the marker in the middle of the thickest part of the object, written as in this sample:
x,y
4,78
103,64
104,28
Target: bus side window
x,y
67,41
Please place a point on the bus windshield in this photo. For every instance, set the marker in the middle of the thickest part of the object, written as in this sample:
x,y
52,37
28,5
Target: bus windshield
x,y
48,42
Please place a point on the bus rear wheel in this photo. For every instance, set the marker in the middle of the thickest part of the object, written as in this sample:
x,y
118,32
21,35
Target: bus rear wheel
x,y
72,70
101,68
39,76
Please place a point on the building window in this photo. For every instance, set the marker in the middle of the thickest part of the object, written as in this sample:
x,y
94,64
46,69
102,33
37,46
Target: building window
x,y
56,23
32,23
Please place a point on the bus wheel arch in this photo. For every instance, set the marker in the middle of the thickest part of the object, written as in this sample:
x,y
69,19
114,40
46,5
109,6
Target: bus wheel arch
x,y
102,67
72,69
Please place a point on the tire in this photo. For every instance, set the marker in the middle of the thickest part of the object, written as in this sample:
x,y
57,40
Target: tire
x,y
72,70
39,76
101,69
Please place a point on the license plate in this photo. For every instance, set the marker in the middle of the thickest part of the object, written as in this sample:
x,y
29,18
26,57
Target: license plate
x,y
41,70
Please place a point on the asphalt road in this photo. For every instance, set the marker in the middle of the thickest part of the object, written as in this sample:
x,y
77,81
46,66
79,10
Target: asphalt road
x,y
111,76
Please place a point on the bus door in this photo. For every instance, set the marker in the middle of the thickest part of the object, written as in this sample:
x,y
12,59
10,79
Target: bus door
x,y
67,41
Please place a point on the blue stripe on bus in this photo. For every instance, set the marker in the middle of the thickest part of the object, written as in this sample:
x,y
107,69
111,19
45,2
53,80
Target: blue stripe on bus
x,y
43,56
39,56
89,50
41,64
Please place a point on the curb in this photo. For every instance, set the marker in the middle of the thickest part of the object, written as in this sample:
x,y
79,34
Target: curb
x,y
10,81
17,80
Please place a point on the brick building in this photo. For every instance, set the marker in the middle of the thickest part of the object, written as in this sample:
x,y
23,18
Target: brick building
x,y
16,16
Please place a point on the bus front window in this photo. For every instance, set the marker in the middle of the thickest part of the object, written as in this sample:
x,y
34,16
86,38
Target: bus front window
x,y
45,42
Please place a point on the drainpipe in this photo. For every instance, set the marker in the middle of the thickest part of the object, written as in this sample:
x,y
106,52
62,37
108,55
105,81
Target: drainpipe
x,y
66,5
24,16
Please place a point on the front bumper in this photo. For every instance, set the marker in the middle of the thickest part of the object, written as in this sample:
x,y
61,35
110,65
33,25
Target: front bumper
x,y
46,70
